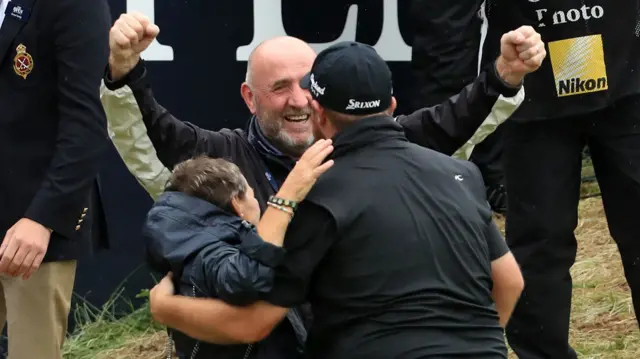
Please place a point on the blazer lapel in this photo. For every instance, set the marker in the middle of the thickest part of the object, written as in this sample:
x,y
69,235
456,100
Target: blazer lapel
x,y
12,25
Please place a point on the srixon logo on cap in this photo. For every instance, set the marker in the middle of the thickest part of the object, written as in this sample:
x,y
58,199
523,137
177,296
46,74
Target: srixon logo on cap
x,y
315,88
356,105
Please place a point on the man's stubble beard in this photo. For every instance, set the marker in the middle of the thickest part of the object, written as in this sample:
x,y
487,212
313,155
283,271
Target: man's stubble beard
x,y
271,125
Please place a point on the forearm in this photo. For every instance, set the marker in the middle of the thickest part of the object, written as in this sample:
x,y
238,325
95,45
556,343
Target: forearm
x,y
505,75
214,321
172,139
274,222
506,300
129,136
199,318
119,69
508,282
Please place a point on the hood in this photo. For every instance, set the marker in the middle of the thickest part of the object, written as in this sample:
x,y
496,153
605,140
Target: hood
x,y
178,226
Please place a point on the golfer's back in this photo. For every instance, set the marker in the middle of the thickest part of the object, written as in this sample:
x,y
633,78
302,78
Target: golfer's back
x,y
410,275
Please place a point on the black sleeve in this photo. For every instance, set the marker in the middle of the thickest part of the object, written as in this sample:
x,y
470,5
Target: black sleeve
x,y
495,241
173,139
239,275
497,245
309,236
448,126
81,44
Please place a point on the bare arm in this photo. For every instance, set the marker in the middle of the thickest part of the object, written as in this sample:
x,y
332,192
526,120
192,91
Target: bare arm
x,y
310,166
507,286
273,224
505,274
213,320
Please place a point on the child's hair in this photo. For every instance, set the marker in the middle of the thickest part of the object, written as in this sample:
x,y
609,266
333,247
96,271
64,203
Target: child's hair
x,y
211,179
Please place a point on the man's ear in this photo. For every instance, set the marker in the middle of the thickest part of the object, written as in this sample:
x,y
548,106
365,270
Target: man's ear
x,y
248,96
315,106
318,113
393,106
235,204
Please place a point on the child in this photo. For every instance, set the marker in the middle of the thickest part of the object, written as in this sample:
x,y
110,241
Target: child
x,y
206,230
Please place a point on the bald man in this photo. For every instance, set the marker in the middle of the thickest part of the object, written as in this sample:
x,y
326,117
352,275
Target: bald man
x,y
278,132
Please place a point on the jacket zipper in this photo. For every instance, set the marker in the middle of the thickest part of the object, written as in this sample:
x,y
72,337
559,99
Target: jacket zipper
x,y
246,353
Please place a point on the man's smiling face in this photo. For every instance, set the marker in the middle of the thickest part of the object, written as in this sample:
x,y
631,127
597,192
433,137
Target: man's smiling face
x,y
280,104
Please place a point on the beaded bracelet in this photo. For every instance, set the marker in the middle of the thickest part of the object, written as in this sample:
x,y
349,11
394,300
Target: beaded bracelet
x,y
282,208
283,202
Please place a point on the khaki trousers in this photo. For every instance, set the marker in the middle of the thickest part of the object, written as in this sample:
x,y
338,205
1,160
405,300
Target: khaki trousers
x,y
36,310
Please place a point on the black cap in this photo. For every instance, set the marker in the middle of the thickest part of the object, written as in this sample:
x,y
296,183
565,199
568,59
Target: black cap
x,y
351,78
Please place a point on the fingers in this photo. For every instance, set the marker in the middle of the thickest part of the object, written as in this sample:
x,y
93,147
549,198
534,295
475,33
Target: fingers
x,y
7,257
320,156
31,263
532,44
322,168
152,31
122,35
165,286
519,36
526,31
531,52
537,60
532,41
5,241
315,149
139,17
17,266
512,38
130,29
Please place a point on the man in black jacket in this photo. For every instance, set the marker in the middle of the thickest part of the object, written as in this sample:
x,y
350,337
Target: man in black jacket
x,y
448,38
52,139
587,93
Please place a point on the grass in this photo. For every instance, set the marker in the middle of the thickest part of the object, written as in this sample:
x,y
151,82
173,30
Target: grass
x,y
603,324
105,333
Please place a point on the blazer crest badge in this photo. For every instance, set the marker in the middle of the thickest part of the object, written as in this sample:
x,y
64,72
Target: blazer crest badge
x,y
22,62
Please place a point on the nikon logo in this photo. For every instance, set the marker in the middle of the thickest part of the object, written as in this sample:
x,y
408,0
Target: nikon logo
x,y
578,65
577,85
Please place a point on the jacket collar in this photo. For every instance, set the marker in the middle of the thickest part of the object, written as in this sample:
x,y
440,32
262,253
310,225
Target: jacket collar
x,y
365,132
184,205
259,141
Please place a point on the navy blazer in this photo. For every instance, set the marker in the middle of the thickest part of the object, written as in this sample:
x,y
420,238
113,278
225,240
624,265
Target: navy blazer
x,y
53,131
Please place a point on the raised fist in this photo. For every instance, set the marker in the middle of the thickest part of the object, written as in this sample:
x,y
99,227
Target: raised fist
x,y
521,52
130,35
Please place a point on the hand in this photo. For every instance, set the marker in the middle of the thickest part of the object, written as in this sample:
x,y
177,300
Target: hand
x,y
306,171
130,35
23,248
161,290
521,52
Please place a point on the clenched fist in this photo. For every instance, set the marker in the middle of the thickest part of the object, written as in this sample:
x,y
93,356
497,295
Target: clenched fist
x,y
131,34
521,52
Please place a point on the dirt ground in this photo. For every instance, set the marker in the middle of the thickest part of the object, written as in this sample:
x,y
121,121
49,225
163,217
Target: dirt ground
x,y
603,323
